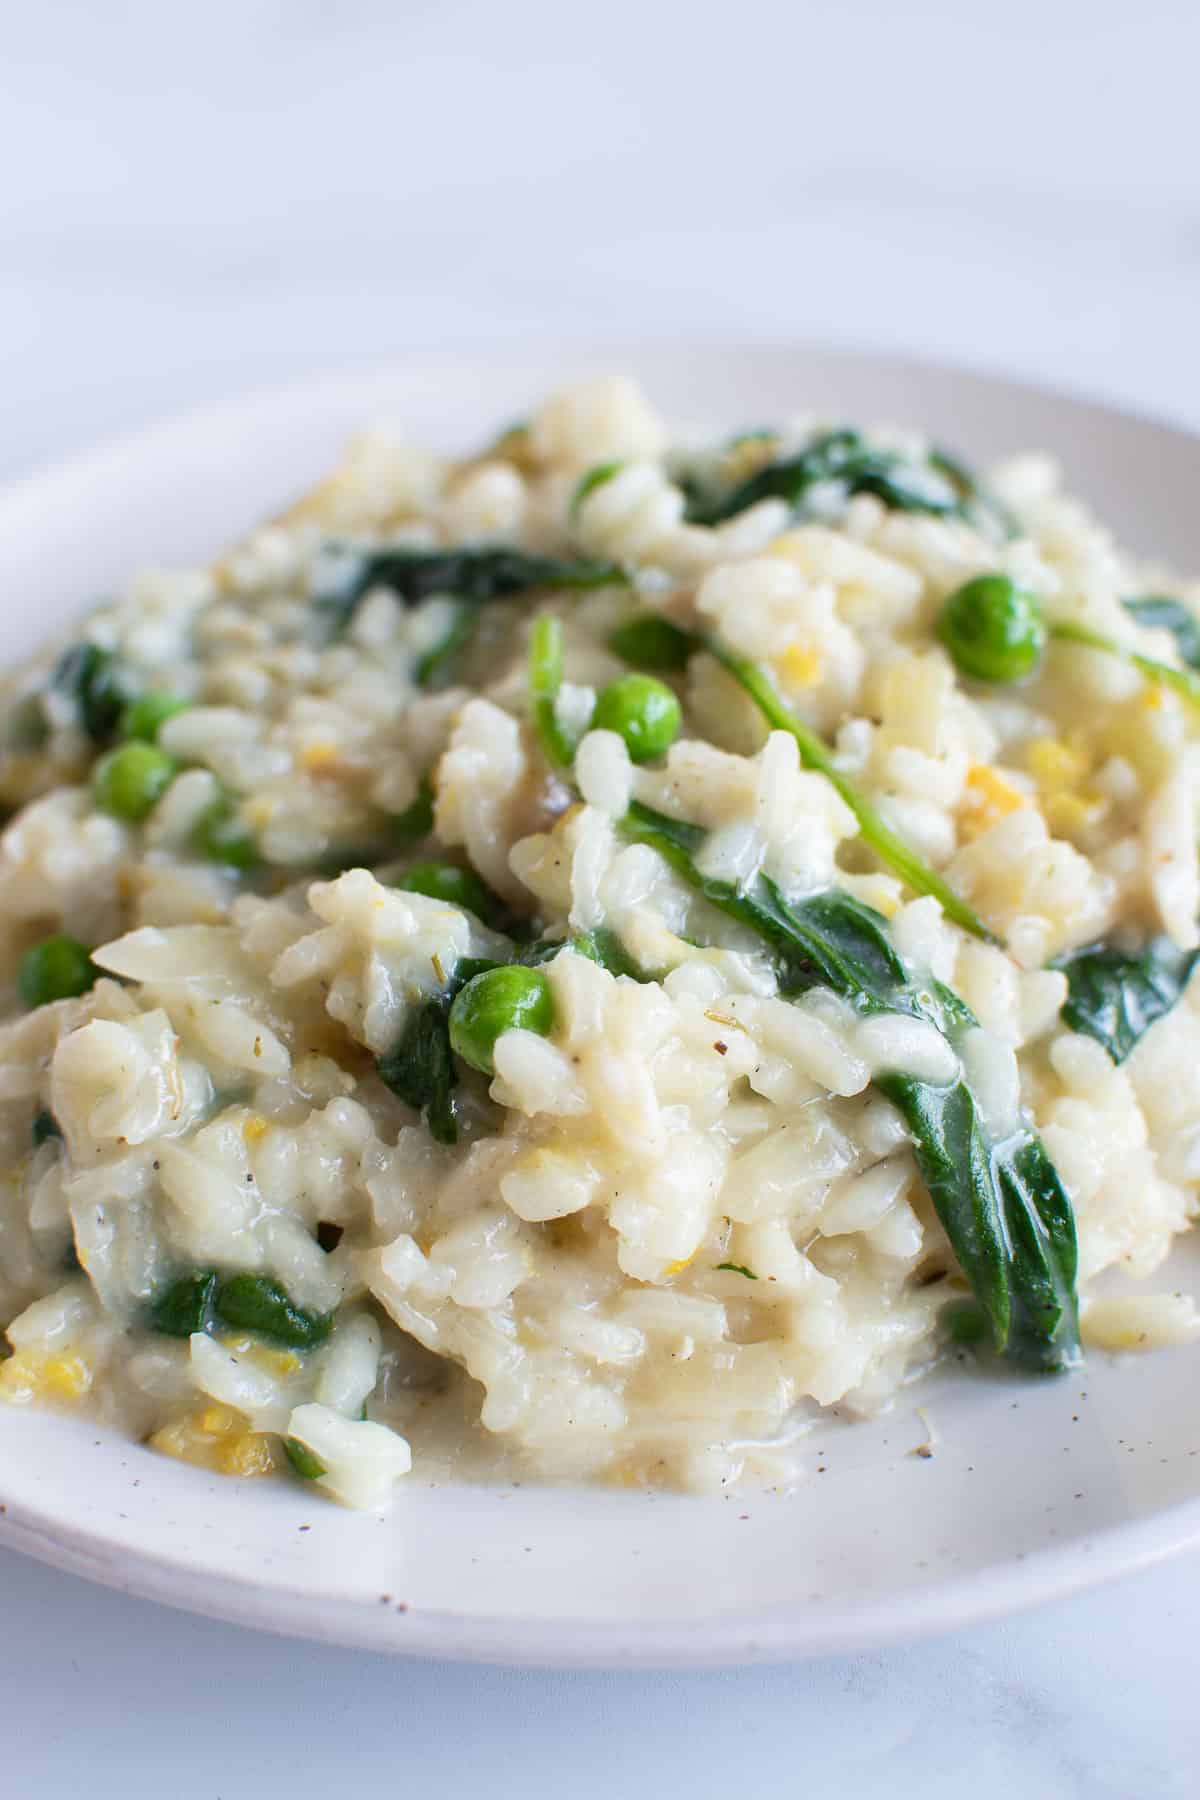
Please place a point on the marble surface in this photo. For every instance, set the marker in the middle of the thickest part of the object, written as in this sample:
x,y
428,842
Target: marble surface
x,y
197,200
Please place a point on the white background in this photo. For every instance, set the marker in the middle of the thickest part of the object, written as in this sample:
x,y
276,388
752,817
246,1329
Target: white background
x,y
193,200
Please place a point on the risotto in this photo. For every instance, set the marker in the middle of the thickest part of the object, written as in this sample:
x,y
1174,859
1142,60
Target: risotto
x,y
571,960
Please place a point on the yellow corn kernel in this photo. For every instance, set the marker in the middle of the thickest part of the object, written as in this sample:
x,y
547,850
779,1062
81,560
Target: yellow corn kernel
x,y
217,1421
1066,814
200,1436
250,1454
988,798
33,1376
801,665
255,1127
216,1437
320,757
994,790
1054,763
21,1378
1060,769
67,1377
174,1440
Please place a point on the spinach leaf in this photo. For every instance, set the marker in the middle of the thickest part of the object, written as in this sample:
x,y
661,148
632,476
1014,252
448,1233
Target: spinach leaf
x,y
603,946
90,677
1116,995
964,1321
828,940
186,1306
819,481
197,1302
976,504
256,1303
544,949
472,576
1001,1203
419,1068
434,666
1006,1214
588,482
1173,616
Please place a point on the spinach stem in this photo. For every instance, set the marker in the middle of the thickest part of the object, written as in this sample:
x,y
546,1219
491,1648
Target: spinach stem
x,y
545,680
1184,681
887,844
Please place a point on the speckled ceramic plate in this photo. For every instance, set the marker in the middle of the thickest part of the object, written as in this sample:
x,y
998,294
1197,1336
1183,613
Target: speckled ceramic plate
x,y
1034,1488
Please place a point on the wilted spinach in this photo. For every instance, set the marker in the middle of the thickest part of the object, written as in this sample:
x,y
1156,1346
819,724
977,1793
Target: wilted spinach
x,y
420,1068
1116,995
202,1300
92,680
1001,1203
1173,616
474,577
819,481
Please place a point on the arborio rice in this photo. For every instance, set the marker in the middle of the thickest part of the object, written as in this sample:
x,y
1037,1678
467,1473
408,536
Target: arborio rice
x,y
598,951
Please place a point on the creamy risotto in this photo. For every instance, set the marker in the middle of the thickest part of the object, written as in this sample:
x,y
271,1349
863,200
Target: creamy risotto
x,y
571,960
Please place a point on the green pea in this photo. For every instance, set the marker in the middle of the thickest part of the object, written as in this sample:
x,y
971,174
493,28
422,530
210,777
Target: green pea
x,y
130,782
56,969
649,641
643,711
148,712
504,999
446,881
993,629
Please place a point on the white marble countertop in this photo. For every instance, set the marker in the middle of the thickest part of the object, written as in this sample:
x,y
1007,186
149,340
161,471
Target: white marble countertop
x,y
203,199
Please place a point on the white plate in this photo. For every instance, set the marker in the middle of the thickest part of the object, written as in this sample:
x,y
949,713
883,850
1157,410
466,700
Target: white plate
x,y
1035,1487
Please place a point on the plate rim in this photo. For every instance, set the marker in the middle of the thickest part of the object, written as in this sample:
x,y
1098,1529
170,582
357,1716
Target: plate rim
x,y
1108,1554
1001,1590
614,353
